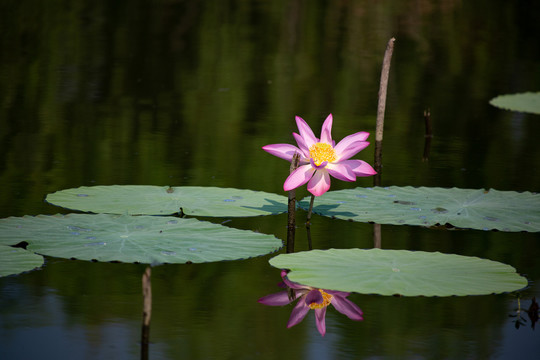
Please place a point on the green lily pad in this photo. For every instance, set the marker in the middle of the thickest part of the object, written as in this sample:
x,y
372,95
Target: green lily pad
x,y
403,272
424,206
143,239
16,260
164,200
525,102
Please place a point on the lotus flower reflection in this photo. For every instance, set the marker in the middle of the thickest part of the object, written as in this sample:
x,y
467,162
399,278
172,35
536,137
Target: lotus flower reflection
x,y
320,158
311,298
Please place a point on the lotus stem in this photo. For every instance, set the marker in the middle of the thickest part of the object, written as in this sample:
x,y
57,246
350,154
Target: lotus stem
x,y
308,230
291,218
428,135
147,311
308,220
427,121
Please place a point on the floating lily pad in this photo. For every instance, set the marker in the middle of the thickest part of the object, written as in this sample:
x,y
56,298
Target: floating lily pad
x,y
391,272
525,102
16,260
164,200
144,239
462,208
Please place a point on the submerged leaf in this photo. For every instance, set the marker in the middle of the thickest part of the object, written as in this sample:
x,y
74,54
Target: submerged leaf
x,y
525,102
16,260
165,200
403,272
424,206
144,239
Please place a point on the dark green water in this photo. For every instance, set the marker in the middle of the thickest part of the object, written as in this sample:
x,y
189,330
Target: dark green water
x,y
187,92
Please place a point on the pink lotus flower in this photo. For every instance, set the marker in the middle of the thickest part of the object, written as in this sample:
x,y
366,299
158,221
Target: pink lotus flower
x,y
320,158
312,298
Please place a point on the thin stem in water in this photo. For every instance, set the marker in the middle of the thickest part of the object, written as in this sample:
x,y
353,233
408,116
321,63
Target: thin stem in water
x,y
147,312
291,218
308,219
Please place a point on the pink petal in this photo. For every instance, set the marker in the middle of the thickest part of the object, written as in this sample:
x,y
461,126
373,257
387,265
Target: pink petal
x,y
296,286
284,151
341,171
347,307
298,314
300,289
298,177
305,132
314,296
351,150
359,136
338,293
302,145
278,299
313,165
326,132
360,168
351,145
319,183
320,315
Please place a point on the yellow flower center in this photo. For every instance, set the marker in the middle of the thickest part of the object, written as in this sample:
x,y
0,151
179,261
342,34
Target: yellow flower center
x,y
321,152
327,299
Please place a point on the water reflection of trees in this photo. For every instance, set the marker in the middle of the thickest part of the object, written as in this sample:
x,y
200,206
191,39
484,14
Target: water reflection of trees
x,y
143,84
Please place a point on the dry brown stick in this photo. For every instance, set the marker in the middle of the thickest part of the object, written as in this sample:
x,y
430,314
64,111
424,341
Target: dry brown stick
x,y
383,87
385,73
377,238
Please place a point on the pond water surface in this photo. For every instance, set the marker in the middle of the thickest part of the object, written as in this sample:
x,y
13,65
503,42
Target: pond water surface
x,y
186,93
